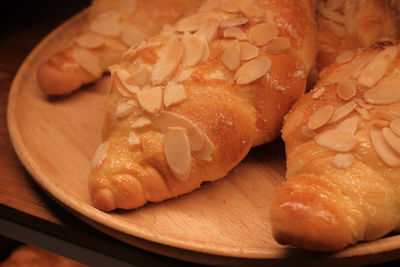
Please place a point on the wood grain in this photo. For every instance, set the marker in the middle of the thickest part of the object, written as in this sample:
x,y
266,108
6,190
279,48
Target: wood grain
x,y
225,222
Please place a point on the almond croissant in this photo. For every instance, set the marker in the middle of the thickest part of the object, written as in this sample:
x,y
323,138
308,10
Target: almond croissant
x,y
343,155
112,26
186,106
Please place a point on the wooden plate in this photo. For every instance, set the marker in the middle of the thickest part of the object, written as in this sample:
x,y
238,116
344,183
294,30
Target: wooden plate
x,y
225,222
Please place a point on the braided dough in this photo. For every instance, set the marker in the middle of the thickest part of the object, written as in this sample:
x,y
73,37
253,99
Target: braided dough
x,y
186,106
343,155
111,28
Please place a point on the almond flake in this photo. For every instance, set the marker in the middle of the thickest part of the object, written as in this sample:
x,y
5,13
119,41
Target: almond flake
x,y
177,152
174,93
345,56
248,51
343,160
330,14
395,126
231,7
184,75
237,21
263,33
377,67
362,104
133,139
383,149
383,114
348,125
168,62
206,152
141,122
379,123
392,139
123,109
166,119
150,99
307,132
193,49
231,56
131,35
195,21
88,61
318,93
107,25
337,140
337,29
208,29
382,94
89,40
342,111
277,45
252,70
99,155
139,77
123,75
206,52
346,90
234,32
320,117
363,112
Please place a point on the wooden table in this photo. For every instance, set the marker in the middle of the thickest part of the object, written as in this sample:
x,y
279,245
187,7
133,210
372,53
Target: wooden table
x,y
27,214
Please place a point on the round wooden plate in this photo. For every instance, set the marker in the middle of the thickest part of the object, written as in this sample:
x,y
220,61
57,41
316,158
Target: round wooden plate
x,y
225,222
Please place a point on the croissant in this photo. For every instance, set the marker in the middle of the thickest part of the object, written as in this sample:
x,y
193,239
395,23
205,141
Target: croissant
x,y
187,105
342,144
111,28
347,25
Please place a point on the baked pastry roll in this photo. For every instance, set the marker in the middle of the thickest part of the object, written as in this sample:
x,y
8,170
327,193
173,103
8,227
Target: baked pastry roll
x,y
343,155
111,28
346,25
186,106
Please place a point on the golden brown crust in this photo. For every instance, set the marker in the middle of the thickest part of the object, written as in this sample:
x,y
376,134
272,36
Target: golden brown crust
x,y
232,105
342,165
62,73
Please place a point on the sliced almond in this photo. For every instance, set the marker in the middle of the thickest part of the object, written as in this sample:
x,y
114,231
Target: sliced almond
x,y
193,23
139,77
318,93
345,56
126,81
337,140
133,139
346,90
236,21
383,149
174,93
362,104
337,29
248,51
123,109
342,111
99,155
379,123
252,70
167,119
395,126
141,122
168,62
234,32
184,75
208,29
343,160
378,66
307,132
231,56
150,99
88,61
330,14
206,152
194,49
89,40
382,94
392,139
177,152
277,45
206,52
132,35
348,125
108,25
320,117
363,112
263,33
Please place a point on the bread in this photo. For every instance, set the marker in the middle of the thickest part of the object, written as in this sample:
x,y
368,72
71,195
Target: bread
x,y
186,106
343,162
111,28
346,25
